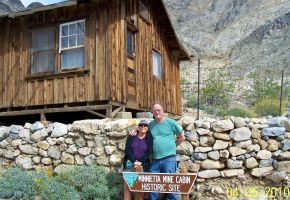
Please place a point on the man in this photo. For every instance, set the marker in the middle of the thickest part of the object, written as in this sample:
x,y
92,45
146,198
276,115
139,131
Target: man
x,y
167,134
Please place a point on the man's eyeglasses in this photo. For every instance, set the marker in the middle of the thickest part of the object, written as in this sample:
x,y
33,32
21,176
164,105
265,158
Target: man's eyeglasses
x,y
141,125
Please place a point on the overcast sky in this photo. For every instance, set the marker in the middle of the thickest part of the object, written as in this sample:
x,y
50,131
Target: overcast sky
x,y
45,2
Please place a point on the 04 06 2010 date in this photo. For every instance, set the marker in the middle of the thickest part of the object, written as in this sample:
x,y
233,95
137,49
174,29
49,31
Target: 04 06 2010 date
x,y
252,192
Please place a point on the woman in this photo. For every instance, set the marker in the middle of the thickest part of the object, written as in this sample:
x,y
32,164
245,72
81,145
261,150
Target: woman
x,y
138,150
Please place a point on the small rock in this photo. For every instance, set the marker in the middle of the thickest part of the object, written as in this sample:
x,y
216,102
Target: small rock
x,y
234,164
285,145
264,154
253,148
260,172
266,163
243,144
46,161
37,126
59,130
85,151
273,145
263,144
211,164
239,122
222,136
240,134
214,155
208,174
256,134
191,136
24,162
220,144
203,149
232,172
222,125
202,131
199,156
235,151
251,163
184,148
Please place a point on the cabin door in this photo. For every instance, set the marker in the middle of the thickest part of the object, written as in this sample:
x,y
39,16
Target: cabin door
x,y
131,67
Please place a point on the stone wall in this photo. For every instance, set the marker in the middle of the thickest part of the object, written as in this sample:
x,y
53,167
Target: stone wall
x,y
213,148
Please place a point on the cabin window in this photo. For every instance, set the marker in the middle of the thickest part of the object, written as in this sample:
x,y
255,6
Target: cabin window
x,y
42,53
157,68
71,47
143,10
130,44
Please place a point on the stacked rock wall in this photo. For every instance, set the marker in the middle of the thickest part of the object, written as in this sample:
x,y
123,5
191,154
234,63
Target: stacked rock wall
x,y
213,148
235,146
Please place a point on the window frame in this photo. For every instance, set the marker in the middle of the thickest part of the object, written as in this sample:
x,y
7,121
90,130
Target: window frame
x,y
161,64
132,42
31,52
58,71
61,50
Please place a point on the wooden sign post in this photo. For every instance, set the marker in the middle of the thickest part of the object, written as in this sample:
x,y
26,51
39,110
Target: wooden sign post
x,y
159,182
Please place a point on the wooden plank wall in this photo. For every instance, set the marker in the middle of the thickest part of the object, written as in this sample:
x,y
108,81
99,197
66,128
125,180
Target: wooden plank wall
x,y
18,91
150,89
117,50
105,59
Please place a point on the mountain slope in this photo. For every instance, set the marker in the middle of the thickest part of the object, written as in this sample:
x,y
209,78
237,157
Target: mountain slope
x,y
7,6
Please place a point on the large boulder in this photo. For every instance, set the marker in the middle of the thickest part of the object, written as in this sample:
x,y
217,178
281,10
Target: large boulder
x,y
88,126
223,125
273,131
24,162
241,134
59,130
185,148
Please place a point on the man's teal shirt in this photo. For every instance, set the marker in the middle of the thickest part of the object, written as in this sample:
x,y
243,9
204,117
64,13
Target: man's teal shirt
x,y
163,134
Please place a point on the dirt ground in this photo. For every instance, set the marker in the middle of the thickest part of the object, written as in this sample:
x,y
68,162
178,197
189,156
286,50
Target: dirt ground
x,y
245,187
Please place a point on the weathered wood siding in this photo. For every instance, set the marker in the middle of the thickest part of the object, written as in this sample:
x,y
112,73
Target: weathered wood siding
x,y
18,90
106,77
149,88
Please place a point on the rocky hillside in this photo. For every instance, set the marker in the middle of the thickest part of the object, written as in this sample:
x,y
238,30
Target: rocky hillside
x,y
7,6
239,36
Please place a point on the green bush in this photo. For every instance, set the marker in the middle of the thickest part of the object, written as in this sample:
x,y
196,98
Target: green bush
x,y
268,106
213,110
238,112
264,87
81,182
91,182
53,189
217,90
192,103
18,184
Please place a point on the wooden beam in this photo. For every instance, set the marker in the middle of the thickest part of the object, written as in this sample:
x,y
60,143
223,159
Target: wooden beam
x,y
54,110
109,111
115,112
96,113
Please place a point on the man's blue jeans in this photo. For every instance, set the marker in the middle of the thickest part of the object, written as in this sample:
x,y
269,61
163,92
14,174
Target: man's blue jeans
x,y
163,165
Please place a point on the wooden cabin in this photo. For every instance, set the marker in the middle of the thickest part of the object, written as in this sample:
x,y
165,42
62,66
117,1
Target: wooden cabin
x,y
99,56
